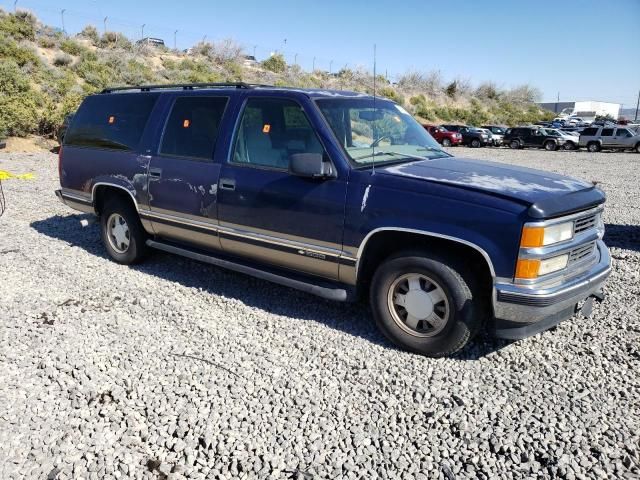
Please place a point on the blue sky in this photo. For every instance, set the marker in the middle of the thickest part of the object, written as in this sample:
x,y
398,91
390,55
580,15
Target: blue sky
x,y
584,49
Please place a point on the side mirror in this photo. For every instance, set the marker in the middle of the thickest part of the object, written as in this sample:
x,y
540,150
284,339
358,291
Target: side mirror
x,y
309,165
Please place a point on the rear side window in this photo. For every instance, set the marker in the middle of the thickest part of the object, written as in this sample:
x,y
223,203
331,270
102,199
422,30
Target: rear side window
x,y
607,132
111,121
623,132
589,132
192,127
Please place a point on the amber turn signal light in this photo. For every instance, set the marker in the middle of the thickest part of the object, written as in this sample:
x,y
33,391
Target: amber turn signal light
x,y
528,269
532,237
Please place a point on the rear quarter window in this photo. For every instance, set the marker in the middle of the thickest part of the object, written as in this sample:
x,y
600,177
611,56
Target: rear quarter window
x,y
111,121
589,132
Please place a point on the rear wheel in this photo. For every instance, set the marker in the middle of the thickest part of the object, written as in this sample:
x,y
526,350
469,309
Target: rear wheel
x,y
475,143
550,146
515,144
570,146
638,147
446,142
593,147
425,304
122,233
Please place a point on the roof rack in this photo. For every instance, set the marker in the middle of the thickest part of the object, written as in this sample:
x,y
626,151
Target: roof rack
x,y
184,86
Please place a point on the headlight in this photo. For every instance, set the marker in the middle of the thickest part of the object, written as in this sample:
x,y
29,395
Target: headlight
x,y
533,237
529,269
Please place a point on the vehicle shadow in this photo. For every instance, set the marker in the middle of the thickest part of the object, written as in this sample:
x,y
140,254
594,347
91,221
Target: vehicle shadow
x,y
352,318
622,236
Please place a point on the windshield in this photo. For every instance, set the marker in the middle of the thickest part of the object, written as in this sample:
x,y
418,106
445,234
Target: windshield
x,y
386,134
551,132
497,130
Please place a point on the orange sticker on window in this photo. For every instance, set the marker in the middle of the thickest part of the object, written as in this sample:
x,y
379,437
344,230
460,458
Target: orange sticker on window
x,y
112,119
266,128
186,123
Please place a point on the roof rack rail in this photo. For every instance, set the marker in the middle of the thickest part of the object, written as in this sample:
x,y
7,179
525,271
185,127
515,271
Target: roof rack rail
x,y
184,86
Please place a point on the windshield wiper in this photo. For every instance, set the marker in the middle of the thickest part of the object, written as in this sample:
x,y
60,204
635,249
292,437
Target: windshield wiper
x,y
380,153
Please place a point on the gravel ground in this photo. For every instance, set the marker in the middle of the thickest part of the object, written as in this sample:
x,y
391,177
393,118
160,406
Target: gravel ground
x,y
174,369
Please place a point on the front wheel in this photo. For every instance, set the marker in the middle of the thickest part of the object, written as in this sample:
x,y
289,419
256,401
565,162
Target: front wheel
x,y
593,147
475,143
425,304
515,144
446,142
123,235
550,146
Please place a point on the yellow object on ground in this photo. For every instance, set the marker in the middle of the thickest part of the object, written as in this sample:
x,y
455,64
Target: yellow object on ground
x,y
20,176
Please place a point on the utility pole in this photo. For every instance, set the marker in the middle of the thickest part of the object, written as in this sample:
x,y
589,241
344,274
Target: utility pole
x,y
62,16
175,33
295,59
637,107
204,39
15,3
313,69
142,31
330,65
105,25
254,52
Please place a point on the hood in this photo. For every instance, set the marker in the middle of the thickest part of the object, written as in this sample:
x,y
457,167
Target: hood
x,y
524,185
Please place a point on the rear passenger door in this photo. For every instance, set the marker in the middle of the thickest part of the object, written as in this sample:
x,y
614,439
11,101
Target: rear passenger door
x,y
183,176
607,137
268,214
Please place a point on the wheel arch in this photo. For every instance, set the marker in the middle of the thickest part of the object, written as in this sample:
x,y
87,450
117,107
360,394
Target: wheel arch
x,y
383,242
101,189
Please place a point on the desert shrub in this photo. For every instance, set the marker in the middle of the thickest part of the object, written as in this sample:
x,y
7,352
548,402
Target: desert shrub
x,y
275,63
233,70
430,83
18,101
523,94
115,40
62,60
90,33
71,47
11,50
487,90
226,51
19,26
392,94
46,42
96,74
452,89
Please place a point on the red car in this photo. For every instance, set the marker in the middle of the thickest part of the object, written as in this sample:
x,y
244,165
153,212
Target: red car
x,y
443,136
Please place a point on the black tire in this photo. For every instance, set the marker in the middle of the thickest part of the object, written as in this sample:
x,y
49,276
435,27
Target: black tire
x,y
570,146
475,143
515,144
136,249
637,147
466,310
446,142
593,147
550,146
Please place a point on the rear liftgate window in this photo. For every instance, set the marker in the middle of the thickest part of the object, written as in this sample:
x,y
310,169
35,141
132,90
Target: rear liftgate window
x,y
111,121
192,128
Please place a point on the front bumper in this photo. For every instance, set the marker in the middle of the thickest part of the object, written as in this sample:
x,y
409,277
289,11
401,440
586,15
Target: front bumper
x,y
524,310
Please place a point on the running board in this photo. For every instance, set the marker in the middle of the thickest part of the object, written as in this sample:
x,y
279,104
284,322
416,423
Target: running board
x,y
335,294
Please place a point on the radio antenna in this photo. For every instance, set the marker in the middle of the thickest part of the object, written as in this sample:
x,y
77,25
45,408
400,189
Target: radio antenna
x,y
375,139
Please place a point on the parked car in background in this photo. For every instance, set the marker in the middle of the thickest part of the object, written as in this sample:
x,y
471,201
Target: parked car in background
x,y
571,139
443,136
471,136
62,129
497,133
522,137
3,143
608,137
278,183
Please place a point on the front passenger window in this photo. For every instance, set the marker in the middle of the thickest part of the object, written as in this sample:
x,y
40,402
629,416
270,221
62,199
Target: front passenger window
x,y
271,130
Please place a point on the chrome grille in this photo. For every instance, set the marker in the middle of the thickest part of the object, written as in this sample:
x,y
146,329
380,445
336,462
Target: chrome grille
x,y
585,223
581,253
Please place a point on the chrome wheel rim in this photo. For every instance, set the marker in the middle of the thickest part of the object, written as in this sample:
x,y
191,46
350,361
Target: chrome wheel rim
x,y
418,305
118,233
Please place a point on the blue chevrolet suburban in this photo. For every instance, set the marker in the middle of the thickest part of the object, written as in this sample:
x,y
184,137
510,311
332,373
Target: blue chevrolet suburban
x,y
339,194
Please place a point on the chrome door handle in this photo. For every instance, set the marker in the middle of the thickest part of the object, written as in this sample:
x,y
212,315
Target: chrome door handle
x,y
155,173
227,184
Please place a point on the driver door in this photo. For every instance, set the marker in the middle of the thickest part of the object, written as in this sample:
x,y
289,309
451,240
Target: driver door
x,y
269,215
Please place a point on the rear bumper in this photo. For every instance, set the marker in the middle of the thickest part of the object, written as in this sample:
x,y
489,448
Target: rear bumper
x,y
521,311
75,201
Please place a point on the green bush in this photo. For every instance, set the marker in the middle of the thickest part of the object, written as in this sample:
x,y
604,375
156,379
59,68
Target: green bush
x,y
91,33
19,26
46,42
452,89
11,50
18,102
392,94
71,47
62,60
275,63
